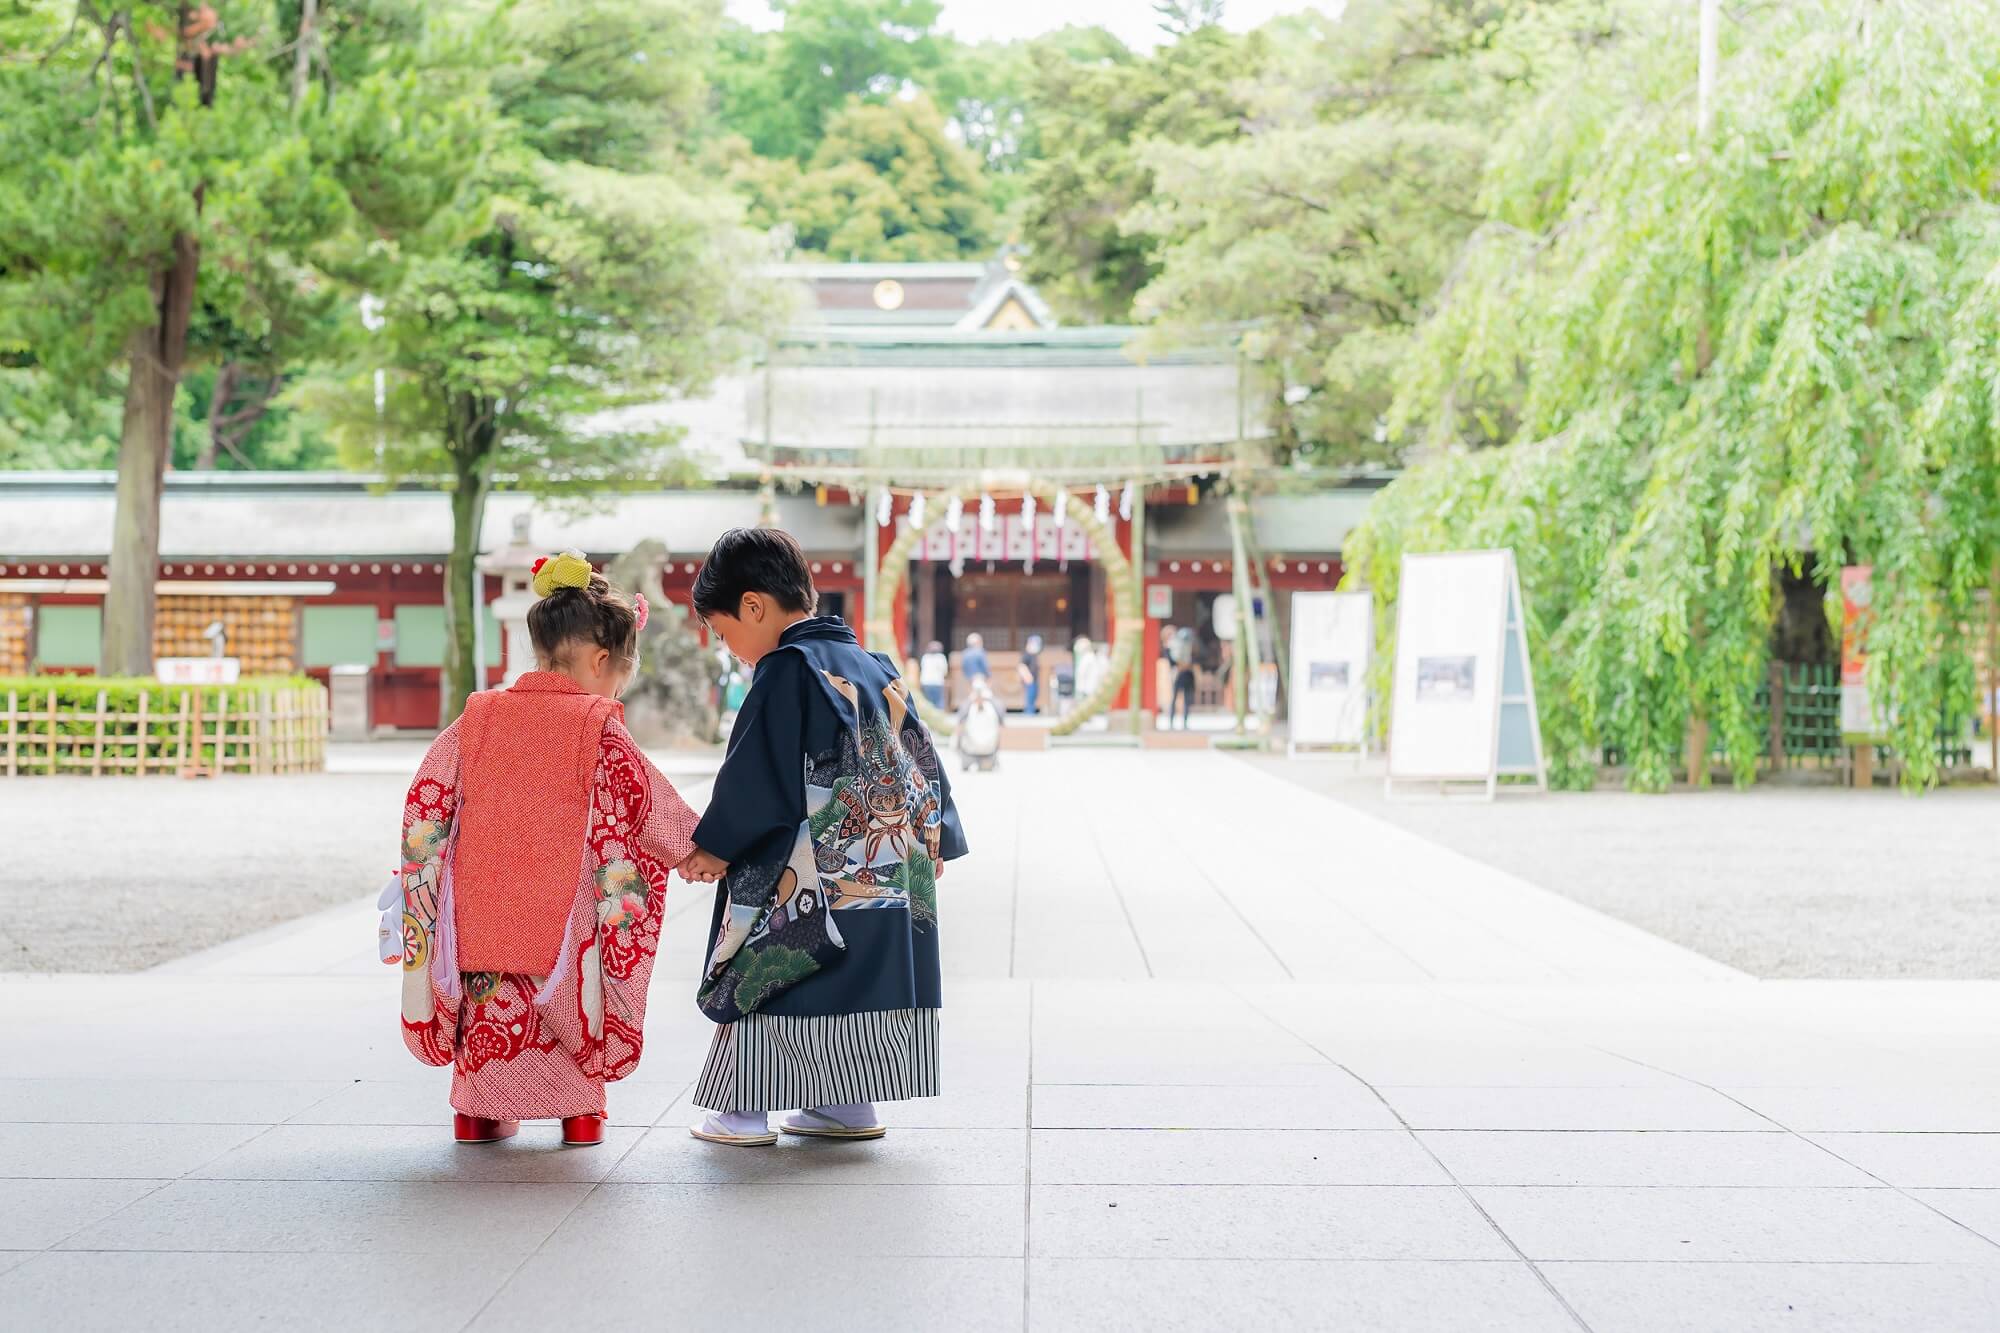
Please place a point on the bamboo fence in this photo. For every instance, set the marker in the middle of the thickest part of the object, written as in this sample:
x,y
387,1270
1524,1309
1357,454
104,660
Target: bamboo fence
x,y
267,731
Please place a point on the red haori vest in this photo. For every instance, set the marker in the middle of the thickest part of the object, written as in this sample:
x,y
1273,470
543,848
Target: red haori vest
x,y
528,757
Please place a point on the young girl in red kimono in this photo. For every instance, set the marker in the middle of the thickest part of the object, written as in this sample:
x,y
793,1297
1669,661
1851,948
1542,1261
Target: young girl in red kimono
x,y
537,841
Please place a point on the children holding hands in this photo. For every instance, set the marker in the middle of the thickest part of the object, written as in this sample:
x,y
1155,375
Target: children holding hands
x,y
537,842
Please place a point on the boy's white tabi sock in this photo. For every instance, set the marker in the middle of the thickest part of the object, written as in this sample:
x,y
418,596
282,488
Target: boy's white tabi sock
x,y
742,1122
851,1115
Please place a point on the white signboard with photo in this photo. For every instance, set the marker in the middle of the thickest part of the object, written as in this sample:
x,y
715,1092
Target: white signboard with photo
x,y
1333,634
1463,704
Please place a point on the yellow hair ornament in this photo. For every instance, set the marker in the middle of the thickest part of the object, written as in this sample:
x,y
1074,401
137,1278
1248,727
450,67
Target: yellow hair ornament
x,y
565,569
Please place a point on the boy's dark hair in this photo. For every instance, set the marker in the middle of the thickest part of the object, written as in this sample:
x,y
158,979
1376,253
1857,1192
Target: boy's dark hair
x,y
766,560
598,614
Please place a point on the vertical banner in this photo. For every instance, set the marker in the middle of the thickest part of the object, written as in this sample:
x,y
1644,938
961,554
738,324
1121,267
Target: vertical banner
x,y
1333,635
1463,702
1857,614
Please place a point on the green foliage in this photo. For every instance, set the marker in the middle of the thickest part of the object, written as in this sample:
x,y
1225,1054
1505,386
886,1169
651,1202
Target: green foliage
x,y
1711,361
1326,227
1095,106
886,183
918,875
582,267
832,812
779,89
122,692
763,971
1181,17
76,713
605,83
106,157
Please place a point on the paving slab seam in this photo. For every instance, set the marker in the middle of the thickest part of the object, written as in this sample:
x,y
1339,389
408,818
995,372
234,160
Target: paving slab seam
x,y
61,1241
294,1118
679,1093
1238,913
1610,931
1449,1174
1898,1189
1111,881
1028,1167
1359,923
1732,1263
590,1188
1014,899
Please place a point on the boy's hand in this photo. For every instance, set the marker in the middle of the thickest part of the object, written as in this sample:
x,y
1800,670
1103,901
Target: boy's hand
x,y
702,868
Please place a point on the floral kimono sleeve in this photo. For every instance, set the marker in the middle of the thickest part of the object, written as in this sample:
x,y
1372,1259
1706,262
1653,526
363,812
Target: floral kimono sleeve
x,y
430,1013
641,830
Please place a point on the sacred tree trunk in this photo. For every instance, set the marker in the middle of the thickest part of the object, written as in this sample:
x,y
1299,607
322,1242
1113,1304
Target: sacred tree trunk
x,y
154,355
462,603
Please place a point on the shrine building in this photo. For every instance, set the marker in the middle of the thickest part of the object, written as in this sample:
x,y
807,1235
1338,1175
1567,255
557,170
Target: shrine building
x,y
943,396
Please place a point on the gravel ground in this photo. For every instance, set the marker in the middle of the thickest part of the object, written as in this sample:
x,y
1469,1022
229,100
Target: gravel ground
x,y
118,875
112,876
1780,881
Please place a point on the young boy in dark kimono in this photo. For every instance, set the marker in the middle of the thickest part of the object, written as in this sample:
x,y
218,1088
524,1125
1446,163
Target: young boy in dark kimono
x,y
829,826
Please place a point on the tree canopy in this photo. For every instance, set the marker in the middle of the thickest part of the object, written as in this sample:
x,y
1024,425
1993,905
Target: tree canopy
x,y
1711,362
585,266
174,187
887,182
1097,107
1324,228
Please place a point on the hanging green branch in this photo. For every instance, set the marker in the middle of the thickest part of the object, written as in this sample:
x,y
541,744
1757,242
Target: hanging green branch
x,y
1777,351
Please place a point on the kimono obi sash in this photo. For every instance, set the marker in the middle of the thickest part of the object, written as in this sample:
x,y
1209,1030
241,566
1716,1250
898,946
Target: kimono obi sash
x,y
528,761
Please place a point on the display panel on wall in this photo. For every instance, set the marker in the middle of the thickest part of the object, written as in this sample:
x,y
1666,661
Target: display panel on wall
x,y
420,636
69,636
338,636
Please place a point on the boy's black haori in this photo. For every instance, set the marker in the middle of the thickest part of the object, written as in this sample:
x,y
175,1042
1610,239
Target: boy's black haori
x,y
762,560
834,815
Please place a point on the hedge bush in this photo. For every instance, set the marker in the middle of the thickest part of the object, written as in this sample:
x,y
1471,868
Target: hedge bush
x,y
76,711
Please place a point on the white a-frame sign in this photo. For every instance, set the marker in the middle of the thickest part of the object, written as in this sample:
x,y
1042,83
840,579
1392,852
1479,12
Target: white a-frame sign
x,y
1463,702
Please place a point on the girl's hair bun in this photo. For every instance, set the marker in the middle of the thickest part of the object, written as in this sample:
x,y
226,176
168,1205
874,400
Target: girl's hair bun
x,y
589,610
565,569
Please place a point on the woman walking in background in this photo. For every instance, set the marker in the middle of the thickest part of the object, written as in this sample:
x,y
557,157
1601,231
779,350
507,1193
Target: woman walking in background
x,y
933,670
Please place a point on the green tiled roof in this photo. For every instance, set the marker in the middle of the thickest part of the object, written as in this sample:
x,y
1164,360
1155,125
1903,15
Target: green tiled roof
x,y
1105,345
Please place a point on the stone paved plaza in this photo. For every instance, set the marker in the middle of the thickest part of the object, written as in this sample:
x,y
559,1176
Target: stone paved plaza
x,y
1221,1052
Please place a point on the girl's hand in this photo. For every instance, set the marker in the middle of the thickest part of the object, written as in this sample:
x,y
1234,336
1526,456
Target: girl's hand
x,y
701,868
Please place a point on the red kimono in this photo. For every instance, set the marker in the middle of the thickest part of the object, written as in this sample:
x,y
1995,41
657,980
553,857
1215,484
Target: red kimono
x,y
530,1047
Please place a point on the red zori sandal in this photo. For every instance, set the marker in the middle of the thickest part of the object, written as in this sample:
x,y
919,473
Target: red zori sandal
x,y
581,1131
478,1129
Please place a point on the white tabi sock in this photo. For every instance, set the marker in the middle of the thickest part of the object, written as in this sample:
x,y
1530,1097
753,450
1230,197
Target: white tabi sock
x,y
850,1115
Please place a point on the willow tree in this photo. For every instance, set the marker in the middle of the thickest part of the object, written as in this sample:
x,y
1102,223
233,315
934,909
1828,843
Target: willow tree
x,y
1771,349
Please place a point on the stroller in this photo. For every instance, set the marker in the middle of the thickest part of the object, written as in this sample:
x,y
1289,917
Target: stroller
x,y
979,723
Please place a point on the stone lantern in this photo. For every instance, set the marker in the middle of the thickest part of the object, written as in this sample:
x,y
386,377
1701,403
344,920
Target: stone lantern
x,y
514,565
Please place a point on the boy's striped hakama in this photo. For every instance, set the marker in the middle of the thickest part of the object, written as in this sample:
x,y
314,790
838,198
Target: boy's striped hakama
x,y
767,1062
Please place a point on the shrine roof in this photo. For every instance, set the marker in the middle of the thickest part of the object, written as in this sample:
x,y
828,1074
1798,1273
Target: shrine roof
x,y
1091,345
962,295
324,515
